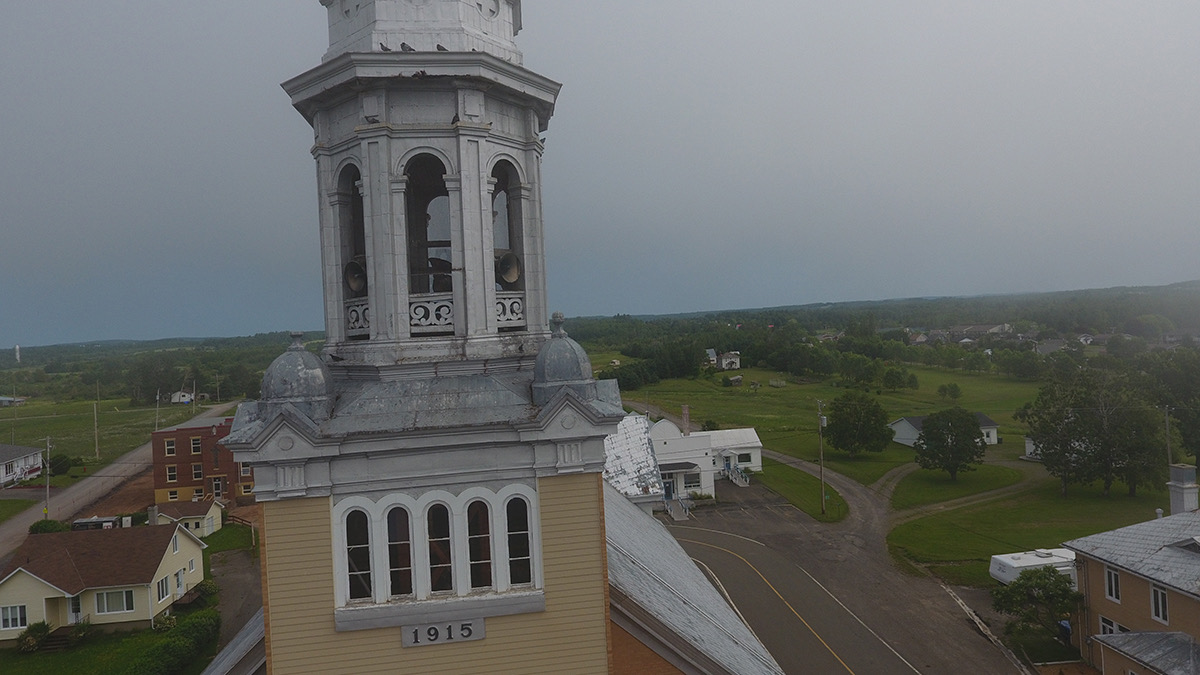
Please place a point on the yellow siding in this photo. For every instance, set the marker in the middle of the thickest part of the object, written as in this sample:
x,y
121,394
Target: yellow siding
x,y
25,589
569,637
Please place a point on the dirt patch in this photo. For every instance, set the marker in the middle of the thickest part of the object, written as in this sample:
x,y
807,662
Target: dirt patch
x,y
237,575
134,495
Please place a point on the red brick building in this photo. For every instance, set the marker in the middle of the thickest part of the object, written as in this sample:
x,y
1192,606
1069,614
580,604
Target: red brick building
x,y
190,463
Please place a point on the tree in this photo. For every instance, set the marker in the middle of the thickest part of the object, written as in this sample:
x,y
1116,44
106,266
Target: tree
x,y
894,378
950,440
1053,428
45,525
858,423
59,464
949,391
1038,598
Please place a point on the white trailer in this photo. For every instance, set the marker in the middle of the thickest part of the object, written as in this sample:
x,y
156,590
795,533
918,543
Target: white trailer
x,y
1006,567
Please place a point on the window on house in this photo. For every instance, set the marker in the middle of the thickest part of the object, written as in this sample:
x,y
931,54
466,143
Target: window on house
x,y
691,481
114,601
197,493
9,468
400,552
172,473
247,489
245,469
13,616
175,544
192,565
479,544
744,458
1158,603
197,472
441,573
172,495
520,569
195,445
358,555
169,447
164,588
1112,584
429,245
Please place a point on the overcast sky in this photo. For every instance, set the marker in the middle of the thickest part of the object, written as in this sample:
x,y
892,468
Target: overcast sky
x,y
155,181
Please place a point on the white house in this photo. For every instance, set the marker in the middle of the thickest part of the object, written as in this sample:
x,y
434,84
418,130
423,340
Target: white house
x,y
184,397
908,428
18,463
692,462
201,518
730,361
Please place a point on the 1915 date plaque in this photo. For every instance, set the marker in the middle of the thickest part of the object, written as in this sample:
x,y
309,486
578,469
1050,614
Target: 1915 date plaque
x,y
442,633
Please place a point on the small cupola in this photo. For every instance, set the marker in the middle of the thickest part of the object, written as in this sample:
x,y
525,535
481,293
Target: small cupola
x,y
561,362
298,377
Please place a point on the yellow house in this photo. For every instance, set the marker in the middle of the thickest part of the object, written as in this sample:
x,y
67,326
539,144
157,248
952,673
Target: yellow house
x,y
201,518
114,579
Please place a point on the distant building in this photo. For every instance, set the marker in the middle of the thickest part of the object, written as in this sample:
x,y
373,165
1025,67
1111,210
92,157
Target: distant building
x,y
692,462
182,397
10,401
201,518
730,361
908,428
18,463
191,464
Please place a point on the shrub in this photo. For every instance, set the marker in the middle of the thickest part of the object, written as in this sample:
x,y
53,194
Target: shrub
x,y
59,464
31,639
165,623
201,627
80,631
45,525
207,588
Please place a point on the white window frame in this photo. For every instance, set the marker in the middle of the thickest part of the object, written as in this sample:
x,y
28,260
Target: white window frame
x,y
1158,604
244,469
164,588
126,600
692,481
418,509
13,617
172,473
175,543
197,445
192,565
1112,584
198,471
169,447
172,495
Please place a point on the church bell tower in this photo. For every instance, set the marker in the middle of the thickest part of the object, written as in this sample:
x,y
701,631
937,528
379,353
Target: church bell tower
x,y
431,482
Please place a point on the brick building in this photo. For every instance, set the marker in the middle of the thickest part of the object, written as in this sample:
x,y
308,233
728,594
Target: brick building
x,y
190,463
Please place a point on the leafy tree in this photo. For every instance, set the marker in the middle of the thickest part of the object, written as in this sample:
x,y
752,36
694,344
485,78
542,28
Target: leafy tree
x,y
858,423
912,381
1038,598
894,378
950,440
45,525
59,464
1053,428
949,391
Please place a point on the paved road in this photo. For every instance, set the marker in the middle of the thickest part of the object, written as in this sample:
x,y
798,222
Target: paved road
x,y
66,502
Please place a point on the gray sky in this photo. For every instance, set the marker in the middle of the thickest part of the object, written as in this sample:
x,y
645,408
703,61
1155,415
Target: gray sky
x,y
155,181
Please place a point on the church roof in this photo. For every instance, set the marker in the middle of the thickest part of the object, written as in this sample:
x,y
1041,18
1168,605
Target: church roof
x,y
1165,550
648,568
630,465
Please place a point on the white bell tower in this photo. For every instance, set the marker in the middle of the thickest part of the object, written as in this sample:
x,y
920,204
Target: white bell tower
x,y
427,142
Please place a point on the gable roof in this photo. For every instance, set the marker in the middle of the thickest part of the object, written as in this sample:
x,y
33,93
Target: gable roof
x,y
1165,550
919,421
177,510
75,561
653,579
629,464
10,452
1169,653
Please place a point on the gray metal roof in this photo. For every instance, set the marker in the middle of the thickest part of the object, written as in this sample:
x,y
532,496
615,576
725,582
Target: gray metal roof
x,y
919,421
1166,653
1162,550
629,462
646,564
10,452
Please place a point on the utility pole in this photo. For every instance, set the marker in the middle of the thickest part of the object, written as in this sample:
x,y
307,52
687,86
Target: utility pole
x,y
157,398
821,447
96,420
1167,419
46,470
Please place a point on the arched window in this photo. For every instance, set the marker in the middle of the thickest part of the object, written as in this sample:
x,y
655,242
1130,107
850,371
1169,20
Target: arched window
x,y
507,232
353,246
400,552
428,208
479,544
441,564
520,569
358,555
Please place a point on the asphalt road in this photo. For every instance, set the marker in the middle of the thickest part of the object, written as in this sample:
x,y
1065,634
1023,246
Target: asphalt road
x,y
66,502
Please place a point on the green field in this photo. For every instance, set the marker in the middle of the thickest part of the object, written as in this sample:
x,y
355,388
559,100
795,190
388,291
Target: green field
x,y
786,417
71,429
11,507
957,545
932,487
803,490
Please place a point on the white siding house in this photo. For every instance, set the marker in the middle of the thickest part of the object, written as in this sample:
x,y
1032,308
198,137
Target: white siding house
x,y
908,428
18,463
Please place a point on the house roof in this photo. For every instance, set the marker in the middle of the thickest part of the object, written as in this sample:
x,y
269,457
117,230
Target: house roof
x,y
918,422
207,423
723,439
648,568
1168,653
82,559
10,452
1165,550
177,510
678,466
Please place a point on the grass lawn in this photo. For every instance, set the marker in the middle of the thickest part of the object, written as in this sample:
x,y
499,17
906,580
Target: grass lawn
x,y
786,417
99,654
11,507
231,536
957,545
1040,648
803,491
931,487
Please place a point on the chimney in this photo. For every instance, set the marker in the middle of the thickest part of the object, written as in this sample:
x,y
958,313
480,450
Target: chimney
x,y
687,421
152,515
1183,489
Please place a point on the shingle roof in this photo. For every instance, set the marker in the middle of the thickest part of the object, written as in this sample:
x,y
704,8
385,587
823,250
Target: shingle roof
x,y
1167,653
177,510
918,422
75,561
647,565
1163,550
10,452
